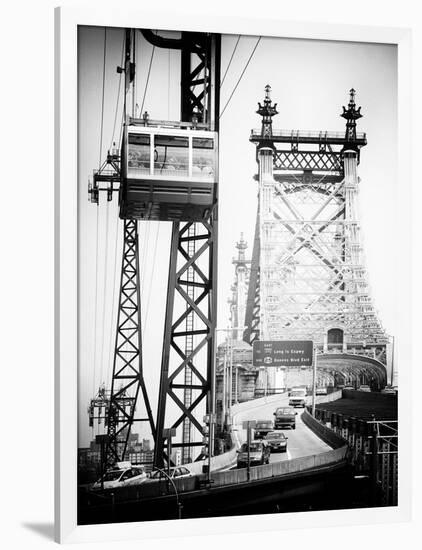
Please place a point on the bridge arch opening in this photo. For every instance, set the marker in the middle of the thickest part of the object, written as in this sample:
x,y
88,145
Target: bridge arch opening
x,y
335,336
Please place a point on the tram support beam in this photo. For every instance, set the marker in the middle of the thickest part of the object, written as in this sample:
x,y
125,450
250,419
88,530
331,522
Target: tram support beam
x,y
127,364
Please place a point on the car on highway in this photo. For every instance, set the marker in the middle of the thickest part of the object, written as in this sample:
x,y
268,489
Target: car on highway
x,y
259,453
277,441
176,472
321,391
121,477
364,387
262,427
285,417
297,397
389,390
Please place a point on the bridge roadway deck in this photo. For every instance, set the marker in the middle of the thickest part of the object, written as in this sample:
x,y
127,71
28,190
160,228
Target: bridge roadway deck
x,y
301,442
307,470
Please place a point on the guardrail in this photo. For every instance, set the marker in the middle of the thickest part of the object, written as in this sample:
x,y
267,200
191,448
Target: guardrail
x,y
308,134
326,434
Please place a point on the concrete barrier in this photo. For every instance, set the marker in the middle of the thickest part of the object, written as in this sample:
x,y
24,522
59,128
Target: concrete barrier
x,y
280,469
322,431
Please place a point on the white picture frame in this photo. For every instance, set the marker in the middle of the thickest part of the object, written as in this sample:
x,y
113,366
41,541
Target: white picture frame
x,y
66,245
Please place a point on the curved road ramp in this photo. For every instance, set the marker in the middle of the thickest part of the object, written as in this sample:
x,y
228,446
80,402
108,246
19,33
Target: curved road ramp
x,y
314,451
354,367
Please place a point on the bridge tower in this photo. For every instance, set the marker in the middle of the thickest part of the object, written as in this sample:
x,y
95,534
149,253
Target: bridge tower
x,y
239,289
308,278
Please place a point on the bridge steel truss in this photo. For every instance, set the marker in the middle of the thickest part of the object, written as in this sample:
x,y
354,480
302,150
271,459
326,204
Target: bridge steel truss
x,y
127,366
188,357
187,369
310,279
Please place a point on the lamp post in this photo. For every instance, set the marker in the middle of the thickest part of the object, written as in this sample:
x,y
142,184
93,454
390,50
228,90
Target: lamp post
x,y
223,402
103,441
168,433
179,506
314,380
228,377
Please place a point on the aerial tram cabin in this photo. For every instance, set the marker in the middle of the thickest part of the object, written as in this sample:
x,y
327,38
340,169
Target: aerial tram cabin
x,y
168,169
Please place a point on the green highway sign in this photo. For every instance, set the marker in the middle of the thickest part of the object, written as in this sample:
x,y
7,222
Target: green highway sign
x,y
282,353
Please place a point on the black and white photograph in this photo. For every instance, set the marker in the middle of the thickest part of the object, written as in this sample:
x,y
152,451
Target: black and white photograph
x,y
237,290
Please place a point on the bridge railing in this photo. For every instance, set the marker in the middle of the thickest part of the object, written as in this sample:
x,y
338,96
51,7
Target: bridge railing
x,y
373,448
283,468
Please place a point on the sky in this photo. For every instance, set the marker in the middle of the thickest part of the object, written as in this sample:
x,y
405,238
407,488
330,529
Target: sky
x,y
310,81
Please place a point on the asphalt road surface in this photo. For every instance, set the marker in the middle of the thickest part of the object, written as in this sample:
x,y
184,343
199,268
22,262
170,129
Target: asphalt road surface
x,y
301,441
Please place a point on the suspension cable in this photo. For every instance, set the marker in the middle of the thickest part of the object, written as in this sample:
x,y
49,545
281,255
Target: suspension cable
x,y
241,76
95,303
102,100
146,84
231,59
104,290
168,86
118,95
111,342
145,247
152,276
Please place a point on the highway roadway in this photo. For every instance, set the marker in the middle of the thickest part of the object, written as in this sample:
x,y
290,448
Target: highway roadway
x,y
301,441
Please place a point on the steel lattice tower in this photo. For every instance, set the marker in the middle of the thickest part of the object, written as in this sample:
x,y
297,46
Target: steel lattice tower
x,y
188,354
308,274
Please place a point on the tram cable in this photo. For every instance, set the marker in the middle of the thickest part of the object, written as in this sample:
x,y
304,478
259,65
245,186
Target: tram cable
x,y
97,224
95,302
241,76
230,61
145,246
153,263
118,95
147,81
113,304
103,93
107,228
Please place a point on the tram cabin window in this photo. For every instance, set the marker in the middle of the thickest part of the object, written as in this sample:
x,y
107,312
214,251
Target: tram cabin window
x,y
139,156
160,153
171,155
202,157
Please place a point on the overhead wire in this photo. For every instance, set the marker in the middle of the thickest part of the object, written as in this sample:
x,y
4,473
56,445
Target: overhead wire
x,y
144,255
104,290
151,276
118,94
168,86
102,100
147,81
97,225
113,307
241,76
95,303
230,61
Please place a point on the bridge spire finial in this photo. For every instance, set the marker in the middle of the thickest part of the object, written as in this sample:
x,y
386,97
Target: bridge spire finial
x,y
351,114
267,111
241,246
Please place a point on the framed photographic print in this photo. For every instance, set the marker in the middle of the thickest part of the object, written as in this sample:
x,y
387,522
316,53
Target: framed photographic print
x,y
230,328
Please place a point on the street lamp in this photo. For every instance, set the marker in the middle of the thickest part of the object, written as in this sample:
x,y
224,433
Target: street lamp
x,y
314,380
236,386
228,380
179,506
